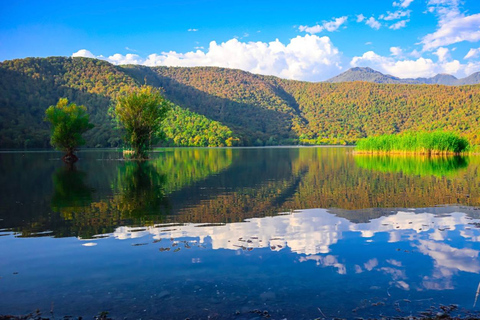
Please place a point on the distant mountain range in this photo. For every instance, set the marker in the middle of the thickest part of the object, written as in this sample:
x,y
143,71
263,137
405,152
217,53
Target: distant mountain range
x,y
370,75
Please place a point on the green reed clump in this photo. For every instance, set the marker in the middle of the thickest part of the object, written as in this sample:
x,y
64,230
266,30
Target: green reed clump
x,y
437,142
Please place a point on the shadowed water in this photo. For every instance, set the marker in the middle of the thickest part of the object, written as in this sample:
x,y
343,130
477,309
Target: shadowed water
x,y
295,233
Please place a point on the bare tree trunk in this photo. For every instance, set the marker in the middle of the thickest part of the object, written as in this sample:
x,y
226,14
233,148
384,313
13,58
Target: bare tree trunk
x,y
70,157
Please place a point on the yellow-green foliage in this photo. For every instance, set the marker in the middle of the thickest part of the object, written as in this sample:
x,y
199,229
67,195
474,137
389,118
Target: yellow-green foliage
x,y
140,112
185,128
436,142
68,122
438,166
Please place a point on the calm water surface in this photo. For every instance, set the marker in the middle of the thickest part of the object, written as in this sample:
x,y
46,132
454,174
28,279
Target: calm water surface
x,y
296,233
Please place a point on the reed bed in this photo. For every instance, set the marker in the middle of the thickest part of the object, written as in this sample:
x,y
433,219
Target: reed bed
x,y
431,143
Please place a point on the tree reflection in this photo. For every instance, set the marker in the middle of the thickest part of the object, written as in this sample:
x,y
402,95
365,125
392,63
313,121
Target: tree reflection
x,y
140,191
70,189
138,200
438,166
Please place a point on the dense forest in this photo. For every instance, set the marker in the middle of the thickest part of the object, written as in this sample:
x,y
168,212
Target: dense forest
x,y
225,107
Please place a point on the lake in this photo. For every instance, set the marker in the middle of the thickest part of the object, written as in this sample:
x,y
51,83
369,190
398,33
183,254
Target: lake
x,y
242,233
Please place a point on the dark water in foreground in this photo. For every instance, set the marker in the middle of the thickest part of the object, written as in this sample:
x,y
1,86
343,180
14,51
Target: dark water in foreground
x,y
296,233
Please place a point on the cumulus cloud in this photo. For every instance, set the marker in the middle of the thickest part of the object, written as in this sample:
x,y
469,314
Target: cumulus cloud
x,y
192,30
83,53
399,25
415,68
403,4
129,58
360,17
459,29
396,51
442,54
308,57
373,23
326,25
472,53
453,25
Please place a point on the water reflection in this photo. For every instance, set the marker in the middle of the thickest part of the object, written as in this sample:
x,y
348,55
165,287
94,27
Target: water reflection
x,y
70,189
312,231
218,232
315,236
139,191
438,166
222,186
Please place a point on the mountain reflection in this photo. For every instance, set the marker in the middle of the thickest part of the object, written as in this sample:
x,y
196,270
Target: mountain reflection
x,y
224,186
415,165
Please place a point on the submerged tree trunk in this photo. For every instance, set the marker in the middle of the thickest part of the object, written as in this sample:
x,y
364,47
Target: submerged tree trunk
x,y
70,158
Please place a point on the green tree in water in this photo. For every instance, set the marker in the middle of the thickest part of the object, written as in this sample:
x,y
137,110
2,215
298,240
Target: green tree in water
x,y
69,122
140,111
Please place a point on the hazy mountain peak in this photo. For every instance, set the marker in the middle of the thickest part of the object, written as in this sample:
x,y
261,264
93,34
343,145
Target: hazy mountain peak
x,y
370,75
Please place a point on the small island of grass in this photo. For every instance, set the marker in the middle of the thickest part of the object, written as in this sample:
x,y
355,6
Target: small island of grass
x,y
432,143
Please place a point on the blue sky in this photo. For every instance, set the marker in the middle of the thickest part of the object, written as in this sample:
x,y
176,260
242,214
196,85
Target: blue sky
x,y
307,40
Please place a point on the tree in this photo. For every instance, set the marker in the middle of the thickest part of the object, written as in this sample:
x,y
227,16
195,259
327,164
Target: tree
x,y
69,122
140,111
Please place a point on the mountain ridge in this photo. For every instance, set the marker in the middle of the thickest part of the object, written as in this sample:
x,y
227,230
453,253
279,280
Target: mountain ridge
x,y
368,74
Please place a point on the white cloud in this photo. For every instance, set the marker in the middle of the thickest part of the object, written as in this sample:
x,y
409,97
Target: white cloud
x,y
396,51
395,15
403,4
326,25
129,58
472,53
399,24
420,67
458,29
360,17
308,57
192,30
453,25
373,23
312,30
83,53
335,24
442,54
446,10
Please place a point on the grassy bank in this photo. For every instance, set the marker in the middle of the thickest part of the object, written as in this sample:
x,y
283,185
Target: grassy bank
x,y
435,143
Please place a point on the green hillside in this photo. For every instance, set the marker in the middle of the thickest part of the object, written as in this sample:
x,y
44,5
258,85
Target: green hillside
x,y
29,86
217,106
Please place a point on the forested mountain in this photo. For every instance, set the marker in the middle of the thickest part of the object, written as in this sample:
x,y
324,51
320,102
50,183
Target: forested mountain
x,y
29,86
217,106
370,75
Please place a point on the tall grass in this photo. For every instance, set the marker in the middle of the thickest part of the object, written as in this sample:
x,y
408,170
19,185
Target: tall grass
x,y
437,142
